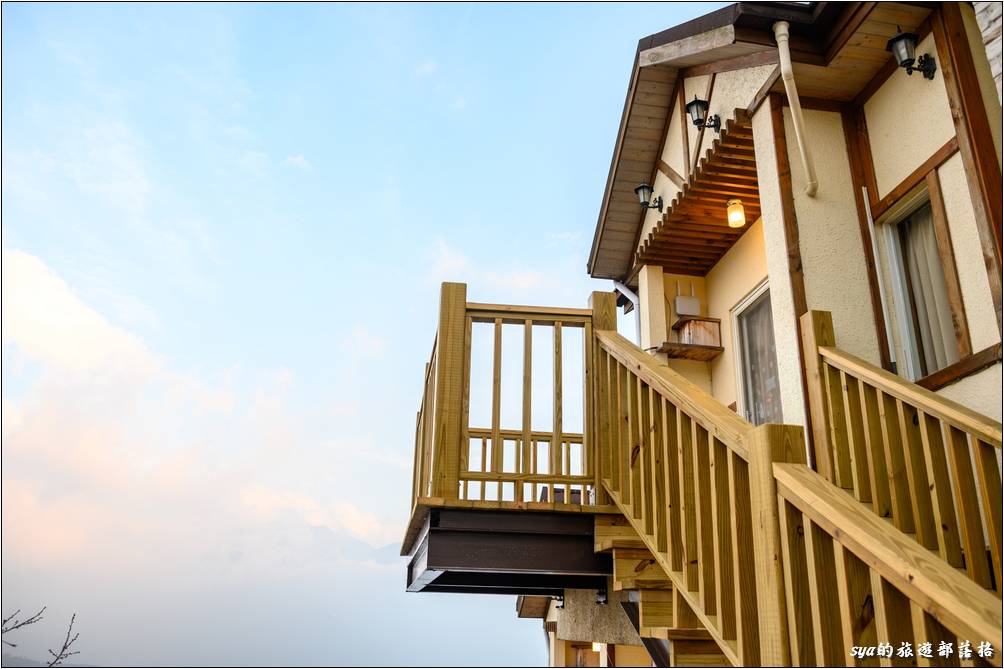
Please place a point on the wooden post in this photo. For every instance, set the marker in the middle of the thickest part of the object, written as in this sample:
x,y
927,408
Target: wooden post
x,y
597,441
768,444
450,383
817,330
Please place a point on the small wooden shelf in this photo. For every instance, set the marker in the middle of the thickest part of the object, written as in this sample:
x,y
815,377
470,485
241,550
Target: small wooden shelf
x,y
690,351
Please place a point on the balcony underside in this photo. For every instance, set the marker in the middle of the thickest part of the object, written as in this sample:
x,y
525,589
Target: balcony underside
x,y
506,552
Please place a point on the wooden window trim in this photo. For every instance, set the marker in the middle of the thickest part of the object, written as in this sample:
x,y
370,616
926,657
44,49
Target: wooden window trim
x,y
967,366
936,160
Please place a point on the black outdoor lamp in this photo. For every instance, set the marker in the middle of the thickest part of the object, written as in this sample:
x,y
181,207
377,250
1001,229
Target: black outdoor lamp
x,y
644,193
698,110
903,47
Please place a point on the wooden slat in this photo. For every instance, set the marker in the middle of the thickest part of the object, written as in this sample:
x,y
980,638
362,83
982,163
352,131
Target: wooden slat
x,y
916,475
496,441
703,519
942,504
525,450
688,499
989,475
968,505
721,511
823,598
796,585
856,609
556,442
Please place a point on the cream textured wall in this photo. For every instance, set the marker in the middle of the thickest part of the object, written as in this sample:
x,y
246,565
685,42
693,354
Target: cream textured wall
x,y
672,150
733,90
694,86
908,120
833,256
968,255
680,284
786,341
741,270
980,392
668,190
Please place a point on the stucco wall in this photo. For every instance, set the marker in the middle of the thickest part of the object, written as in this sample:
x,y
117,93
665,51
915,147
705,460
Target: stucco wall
x,y
733,90
908,119
741,270
833,256
679,284
973,280
786,341
980,392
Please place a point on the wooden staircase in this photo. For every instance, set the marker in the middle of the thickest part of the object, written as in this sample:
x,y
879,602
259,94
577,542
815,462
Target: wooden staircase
x,y
737,551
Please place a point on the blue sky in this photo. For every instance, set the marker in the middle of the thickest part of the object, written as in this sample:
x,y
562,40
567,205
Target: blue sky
x,y
224,227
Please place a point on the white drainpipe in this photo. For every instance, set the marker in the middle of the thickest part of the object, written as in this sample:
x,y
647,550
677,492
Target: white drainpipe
x,y
788,76
630,294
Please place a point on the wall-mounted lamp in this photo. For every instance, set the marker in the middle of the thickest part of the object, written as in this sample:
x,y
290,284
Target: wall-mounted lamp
x,y
601,596
698,110
599,646
559,602
737,215
903,47
644,193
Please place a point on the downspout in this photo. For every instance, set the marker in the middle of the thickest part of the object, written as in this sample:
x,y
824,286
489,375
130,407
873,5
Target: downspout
x,y
788,76
630,294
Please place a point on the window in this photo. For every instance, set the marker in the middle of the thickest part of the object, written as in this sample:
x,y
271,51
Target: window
x,y
756,359
926,334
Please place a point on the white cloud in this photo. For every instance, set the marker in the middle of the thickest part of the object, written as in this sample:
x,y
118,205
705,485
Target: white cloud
x,y
297,161
450,264
107,162
426,69
460,102
48,322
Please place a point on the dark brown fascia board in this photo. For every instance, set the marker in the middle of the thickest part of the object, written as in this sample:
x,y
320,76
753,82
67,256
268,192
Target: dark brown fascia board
x,y
628,98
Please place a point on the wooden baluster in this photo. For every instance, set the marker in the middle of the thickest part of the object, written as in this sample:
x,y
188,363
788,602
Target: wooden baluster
x,y
449,389
497,446
856,437
892,444
672,483
916,475
658,475
465,411
823,599
635,459
892,618
703,519
970,520
856,611
624,385
801,647
942,504
874,451
743,578
524,464
556,441
647,491
721,510
838,427
926,628
688,500
817,330
590,465
989,474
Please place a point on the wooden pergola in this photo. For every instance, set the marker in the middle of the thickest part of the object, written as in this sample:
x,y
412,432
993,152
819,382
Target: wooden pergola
x,y
694,233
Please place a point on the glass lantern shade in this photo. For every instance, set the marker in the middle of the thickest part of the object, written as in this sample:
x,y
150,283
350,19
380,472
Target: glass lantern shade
x,y
644,193
736,214
903,47
697,109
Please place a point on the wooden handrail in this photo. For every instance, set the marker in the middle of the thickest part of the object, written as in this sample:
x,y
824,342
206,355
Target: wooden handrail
x,y
879,558
928,464
716,417
932,403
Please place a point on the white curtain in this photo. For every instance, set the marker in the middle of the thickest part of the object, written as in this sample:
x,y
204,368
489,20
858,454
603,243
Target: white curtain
x,y
927,286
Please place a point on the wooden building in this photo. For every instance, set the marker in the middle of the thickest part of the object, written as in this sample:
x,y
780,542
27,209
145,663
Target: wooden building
x,y
799,460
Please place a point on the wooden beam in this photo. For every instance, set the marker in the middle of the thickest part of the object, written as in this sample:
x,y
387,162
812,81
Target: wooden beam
x,y
788,218
976,142
947,254
765,57
969,365
856,160
919,175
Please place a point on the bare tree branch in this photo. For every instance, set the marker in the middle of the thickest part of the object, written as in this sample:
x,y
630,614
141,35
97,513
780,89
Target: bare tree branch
x,y
65,652
11,623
